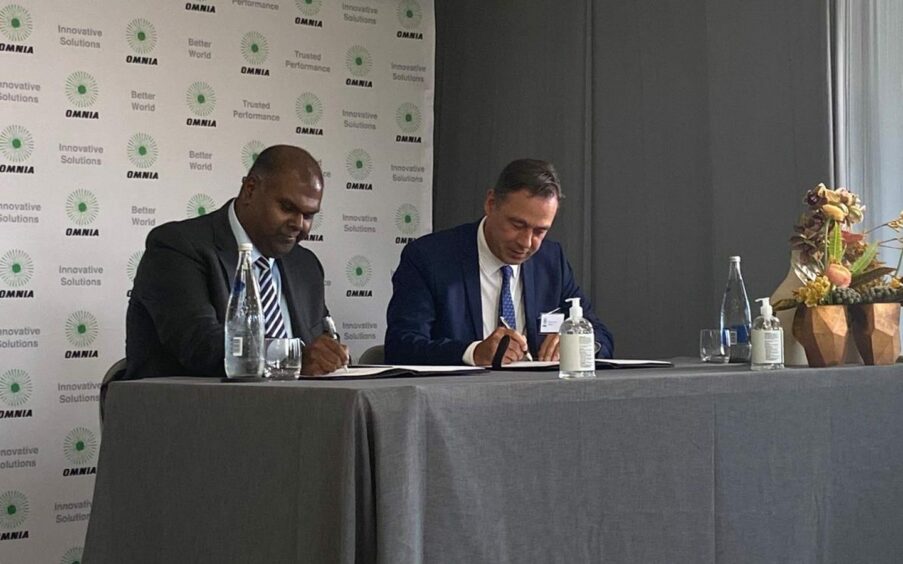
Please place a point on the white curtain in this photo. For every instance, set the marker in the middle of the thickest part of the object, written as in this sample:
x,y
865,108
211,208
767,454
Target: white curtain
x,y
868,97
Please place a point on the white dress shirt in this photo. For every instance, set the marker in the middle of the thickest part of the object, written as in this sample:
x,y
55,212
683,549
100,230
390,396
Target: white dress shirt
x,y
241,236
490,290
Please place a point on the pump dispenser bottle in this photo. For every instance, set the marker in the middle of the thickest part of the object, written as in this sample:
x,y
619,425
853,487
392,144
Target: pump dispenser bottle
x,y
577,347
767,339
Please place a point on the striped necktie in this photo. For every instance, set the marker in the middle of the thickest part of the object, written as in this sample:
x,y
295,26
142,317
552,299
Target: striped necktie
x,y
269,299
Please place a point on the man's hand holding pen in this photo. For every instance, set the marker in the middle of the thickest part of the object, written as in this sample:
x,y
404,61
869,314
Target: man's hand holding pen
x,y
326,354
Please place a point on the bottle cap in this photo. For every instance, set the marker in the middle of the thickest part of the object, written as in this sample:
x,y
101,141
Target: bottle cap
x,y
576,310
245,248
735,259
765,309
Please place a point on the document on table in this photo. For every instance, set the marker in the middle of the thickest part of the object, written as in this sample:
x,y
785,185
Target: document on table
x,y
395,371
601,363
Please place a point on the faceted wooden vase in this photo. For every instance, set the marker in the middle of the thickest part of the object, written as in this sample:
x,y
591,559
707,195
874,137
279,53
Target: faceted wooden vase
x,y
822,330
876,330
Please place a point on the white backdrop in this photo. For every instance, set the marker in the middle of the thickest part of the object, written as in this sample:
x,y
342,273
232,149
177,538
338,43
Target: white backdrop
x,y
119,115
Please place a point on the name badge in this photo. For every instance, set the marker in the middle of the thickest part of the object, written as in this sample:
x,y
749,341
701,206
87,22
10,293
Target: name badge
x,y
550,322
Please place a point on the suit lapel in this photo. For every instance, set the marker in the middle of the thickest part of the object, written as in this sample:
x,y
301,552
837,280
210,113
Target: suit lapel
x,y
530,325
470,267
290,270
226,247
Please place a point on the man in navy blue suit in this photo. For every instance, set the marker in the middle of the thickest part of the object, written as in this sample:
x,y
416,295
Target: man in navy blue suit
x,y
456,290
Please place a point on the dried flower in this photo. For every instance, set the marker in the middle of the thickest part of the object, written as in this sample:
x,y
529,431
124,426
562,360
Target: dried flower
x,y
839,275
834,212
813,292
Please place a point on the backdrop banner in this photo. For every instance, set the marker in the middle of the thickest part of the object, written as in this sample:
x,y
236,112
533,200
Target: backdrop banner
x,y
117,116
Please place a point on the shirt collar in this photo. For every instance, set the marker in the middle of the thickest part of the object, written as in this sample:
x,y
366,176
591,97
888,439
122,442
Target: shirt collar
x,y
241,236
489,263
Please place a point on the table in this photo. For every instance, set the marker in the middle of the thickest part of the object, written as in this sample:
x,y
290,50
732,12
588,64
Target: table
x,y
696,463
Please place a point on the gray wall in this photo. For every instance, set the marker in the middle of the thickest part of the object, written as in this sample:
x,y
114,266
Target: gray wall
x,y
684,131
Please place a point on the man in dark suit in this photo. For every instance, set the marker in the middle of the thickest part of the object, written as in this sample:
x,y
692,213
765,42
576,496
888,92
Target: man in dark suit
x,y
177,310
452,288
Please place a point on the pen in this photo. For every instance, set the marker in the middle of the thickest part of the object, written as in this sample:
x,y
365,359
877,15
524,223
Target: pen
x,y
505,324
331,330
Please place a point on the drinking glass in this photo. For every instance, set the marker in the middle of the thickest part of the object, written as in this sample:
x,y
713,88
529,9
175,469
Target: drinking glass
x,y
282,358
711,347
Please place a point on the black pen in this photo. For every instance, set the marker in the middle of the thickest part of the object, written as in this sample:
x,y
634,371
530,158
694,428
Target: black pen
x,y
331,331
505,324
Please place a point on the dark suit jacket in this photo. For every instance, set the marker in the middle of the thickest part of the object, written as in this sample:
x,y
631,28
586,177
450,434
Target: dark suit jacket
x,y
177,310
436,307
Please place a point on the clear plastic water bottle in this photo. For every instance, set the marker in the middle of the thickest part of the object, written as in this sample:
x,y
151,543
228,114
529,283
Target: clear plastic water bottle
x,y
735,316
577,345
244,321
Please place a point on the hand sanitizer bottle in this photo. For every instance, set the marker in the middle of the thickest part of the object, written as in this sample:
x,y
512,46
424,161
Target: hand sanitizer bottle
x,y
577,347
767,339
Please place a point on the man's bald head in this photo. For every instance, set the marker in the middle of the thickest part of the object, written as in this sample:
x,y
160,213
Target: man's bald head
x,y
279,197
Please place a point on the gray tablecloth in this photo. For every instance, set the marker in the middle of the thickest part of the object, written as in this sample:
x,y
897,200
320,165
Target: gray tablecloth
x,y
688,464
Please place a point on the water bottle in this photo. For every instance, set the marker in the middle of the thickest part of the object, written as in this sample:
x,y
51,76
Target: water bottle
x,y
244,321
577,345
735,316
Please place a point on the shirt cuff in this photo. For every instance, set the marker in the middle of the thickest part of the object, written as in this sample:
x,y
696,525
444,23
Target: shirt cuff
x,y
468,353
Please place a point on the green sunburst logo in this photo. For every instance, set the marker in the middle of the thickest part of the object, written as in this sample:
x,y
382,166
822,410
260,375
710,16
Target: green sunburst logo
x,y
81,329
142,150
201,99
408,117
309,108
81,89
407,219
131,267
199,204
13,509
15,22
16,268
16,143
72,556
358,270
80,446
359,61
309,7
250,152
15,387
141,35
254,48
359,164
409,14
82,207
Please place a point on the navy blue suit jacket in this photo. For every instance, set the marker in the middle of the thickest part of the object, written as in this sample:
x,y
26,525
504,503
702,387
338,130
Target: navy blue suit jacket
x,y
436,308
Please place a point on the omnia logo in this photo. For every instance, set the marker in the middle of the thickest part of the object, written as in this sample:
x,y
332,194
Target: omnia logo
x,y
359,62
15,26
200,7
81,331
16,144
201,100
15,391
199,204
142,152
142,38
407,220
255,50
80,447
358,271
309,8
82,209
315,226
309,110
250,152
359,164
13,514
16,269
408,118
82,92
410,14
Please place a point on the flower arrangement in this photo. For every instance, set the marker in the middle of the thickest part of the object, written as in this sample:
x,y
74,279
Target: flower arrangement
x,y
838,265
